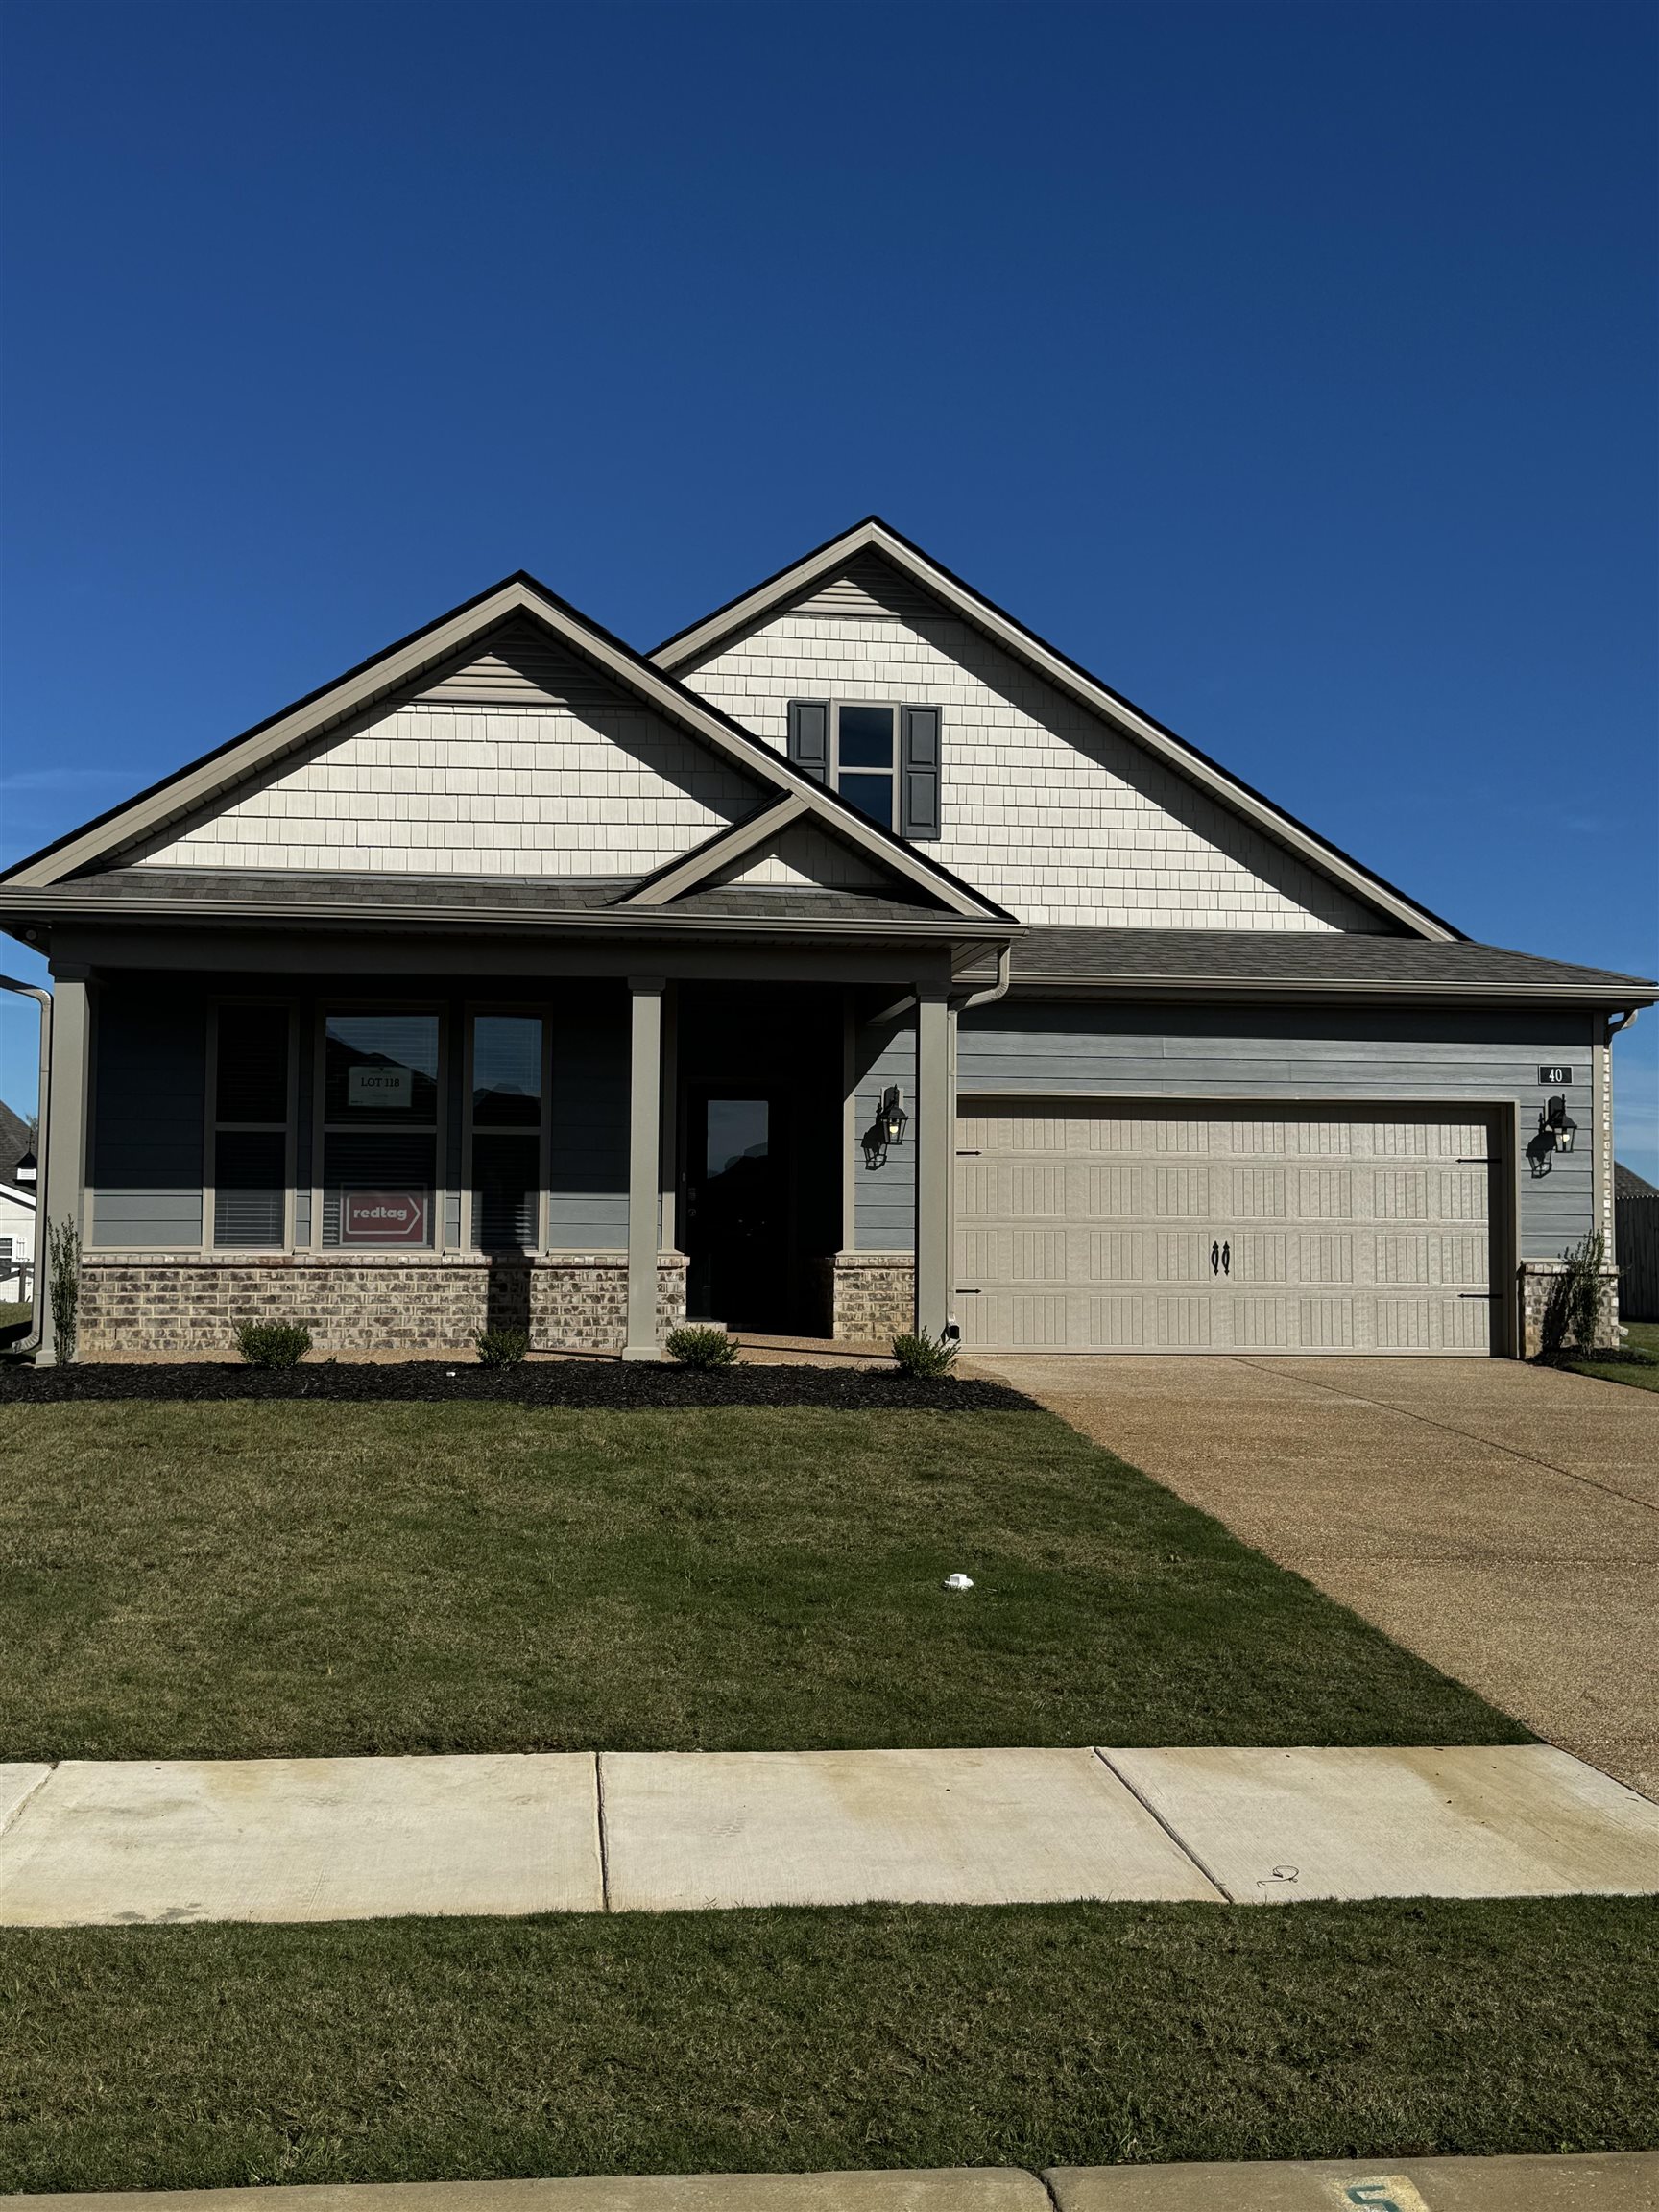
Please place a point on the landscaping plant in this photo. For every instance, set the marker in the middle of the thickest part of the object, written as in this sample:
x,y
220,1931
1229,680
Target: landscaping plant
x,y
501,1347
273,1343
1575,1308
701,1347
63,1255
923,1355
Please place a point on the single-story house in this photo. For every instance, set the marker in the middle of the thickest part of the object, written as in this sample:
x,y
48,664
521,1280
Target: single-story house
x,y
854,961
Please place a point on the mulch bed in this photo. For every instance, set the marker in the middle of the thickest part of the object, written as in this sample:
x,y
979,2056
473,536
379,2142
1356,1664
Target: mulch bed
x,y
576,1382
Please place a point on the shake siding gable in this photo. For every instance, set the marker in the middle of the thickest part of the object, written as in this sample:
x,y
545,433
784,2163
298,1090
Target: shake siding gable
x,y
1044,807
515,763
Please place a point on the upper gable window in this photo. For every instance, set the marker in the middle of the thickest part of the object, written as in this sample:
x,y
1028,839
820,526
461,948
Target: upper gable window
x,y
884,761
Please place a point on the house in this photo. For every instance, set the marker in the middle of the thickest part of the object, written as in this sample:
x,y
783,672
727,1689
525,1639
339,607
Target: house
x,y
854,960
18,1169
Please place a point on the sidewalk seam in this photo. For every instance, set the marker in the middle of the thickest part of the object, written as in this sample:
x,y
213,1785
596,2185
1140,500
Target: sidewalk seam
x,y
1180,1841
23,1803
1040,2174
604,1837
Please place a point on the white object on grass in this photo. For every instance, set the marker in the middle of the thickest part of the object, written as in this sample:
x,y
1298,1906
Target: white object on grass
x,y
958,1581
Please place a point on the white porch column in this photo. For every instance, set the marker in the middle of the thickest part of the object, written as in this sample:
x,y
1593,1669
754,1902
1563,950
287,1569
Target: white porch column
x,y
64,1187
644,1164
935,1158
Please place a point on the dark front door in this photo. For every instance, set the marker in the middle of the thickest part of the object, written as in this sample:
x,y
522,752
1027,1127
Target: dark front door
x,y
736,1210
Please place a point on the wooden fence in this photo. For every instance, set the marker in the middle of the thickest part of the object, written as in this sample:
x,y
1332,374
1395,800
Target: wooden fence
x,y
1636,1243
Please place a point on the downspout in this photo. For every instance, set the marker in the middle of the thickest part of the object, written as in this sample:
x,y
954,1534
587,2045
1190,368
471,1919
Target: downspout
x,y
44,999
1005,975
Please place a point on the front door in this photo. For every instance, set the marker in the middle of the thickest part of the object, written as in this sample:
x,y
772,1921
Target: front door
x,y
736,1210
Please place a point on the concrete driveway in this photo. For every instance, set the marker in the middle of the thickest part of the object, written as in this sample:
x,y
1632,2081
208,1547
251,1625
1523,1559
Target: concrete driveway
x,y
1500,1520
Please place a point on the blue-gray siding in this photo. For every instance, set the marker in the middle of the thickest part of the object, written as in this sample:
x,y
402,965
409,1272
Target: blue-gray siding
x,y
1208,1053
885,1197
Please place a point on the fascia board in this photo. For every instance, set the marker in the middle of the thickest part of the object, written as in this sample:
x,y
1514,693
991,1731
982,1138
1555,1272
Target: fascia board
x,y
1152,987
193,788
1026,646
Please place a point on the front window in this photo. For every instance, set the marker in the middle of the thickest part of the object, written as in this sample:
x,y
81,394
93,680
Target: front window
x,y
379,1129
250,1166
507,1123
863,760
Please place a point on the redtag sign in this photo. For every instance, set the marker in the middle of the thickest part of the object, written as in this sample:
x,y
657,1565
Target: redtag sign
x,y
383,1216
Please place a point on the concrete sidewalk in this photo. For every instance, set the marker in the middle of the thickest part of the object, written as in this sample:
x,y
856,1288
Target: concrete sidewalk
x,y
297,1839
1500,1520
1615,2182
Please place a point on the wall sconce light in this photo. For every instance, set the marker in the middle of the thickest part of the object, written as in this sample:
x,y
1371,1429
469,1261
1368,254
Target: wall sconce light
x,y
1556,1130
888,1128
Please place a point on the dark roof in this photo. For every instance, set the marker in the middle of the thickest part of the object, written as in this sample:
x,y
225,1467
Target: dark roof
x,y
15,1142
1301,961
288,896
1628,1184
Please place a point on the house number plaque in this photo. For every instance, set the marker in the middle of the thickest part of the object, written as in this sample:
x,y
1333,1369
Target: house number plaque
x,y
1555,1074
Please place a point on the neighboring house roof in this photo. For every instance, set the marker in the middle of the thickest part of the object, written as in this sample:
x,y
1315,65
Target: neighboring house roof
x,y
1303,963
1628,1184
518,596
16,1146
702,638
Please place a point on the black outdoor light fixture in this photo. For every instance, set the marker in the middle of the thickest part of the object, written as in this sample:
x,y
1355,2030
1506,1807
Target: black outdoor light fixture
x,y
888,1128
1556,1130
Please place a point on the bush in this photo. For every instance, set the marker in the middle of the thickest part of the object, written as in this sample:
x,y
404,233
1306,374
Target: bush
x,y
63,1287
273,1343
1575,1310
701,1347
923,1355
501,1347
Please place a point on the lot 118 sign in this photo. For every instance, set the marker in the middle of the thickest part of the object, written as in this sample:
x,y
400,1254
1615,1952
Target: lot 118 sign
x,y
383,1217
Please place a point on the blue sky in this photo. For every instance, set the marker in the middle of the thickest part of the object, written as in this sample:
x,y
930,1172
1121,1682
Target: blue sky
x,y
1291,365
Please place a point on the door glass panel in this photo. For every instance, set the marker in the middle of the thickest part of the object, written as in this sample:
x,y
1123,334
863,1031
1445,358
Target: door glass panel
x,y
738,1129
507,1071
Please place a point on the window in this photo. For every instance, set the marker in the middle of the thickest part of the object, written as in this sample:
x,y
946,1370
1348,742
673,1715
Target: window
x,y
380,1106
506,1100
863,760
884,761
251,1166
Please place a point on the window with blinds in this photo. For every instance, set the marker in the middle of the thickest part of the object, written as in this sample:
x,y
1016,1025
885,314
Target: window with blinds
x,y
506,1120
381,1089
251,1117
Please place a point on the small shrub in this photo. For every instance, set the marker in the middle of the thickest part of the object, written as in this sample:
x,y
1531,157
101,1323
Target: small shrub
x,y
501,1347
1575,1310
273,1343
63,1287
701,1347
923,1355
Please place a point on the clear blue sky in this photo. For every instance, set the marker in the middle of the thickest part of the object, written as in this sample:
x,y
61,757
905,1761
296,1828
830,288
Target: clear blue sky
x,y
1292,366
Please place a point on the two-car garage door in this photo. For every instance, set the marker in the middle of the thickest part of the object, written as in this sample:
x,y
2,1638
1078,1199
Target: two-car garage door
x,y
1198,1227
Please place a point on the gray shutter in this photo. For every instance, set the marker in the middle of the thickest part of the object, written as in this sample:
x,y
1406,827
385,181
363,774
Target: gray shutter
x,y
810,736
919,773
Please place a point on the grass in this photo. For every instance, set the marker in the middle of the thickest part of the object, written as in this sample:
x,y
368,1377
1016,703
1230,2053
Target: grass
x,y
11,1313
208,1580
423,2050
1640,1336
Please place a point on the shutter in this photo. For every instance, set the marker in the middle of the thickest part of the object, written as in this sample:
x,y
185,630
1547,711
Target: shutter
x,y
919,773
810,736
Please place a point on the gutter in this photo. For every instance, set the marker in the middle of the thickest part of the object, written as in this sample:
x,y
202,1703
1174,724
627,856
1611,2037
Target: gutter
x,y
1269,987
31,1344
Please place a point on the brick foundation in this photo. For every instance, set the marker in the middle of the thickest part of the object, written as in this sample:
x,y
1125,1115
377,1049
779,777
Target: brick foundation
x,y
869,1296
359,1302
1538,1278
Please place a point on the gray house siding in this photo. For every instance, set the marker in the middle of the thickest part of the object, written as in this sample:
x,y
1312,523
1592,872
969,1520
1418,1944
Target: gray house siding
x,y
145,1167
1060,1048
885,1197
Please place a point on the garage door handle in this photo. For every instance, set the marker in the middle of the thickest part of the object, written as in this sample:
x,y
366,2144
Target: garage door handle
x,y
1215,1259
1226,1259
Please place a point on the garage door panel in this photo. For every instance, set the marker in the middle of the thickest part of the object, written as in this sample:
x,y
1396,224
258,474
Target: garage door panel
x,y
1191,1230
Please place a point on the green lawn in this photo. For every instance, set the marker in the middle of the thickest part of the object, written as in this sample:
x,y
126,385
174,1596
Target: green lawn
x,y
11,1313
883,2036
1641,1336
265,1578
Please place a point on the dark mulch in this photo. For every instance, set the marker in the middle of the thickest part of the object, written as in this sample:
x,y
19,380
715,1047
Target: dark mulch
x,y
591,1382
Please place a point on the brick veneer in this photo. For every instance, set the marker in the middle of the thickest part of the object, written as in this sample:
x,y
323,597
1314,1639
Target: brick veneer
x,y
362,1302
869,1295
1538,1278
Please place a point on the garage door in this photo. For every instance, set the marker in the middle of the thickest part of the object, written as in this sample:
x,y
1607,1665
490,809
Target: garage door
x,y
1223,1229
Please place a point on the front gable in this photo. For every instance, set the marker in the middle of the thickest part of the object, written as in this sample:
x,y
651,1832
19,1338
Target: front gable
x,y
1060,801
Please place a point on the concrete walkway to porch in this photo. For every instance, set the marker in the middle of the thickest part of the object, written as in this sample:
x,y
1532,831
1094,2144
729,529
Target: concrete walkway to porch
x,y
291,1840
1500,1520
